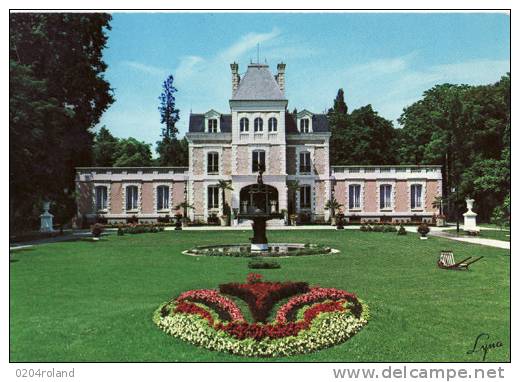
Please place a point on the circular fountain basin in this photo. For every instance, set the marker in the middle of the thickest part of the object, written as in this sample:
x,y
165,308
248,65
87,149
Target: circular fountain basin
x,y
267,250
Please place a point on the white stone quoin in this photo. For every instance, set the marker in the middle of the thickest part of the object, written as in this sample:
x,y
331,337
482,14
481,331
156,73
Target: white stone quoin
x,y
46,218
470,217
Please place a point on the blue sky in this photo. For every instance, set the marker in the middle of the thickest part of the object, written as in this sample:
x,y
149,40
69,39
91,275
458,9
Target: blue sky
x,y
384,59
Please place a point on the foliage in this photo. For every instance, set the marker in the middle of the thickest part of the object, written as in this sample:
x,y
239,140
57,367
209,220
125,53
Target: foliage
x,y
423,229
402,230
57,93
141,228
369,137
333,205
172,151
258,264
132,153
104,149
96,230
467,129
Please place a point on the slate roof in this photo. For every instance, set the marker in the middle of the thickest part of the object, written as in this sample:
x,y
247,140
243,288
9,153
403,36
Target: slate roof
x,y
197,123
319,123
258,84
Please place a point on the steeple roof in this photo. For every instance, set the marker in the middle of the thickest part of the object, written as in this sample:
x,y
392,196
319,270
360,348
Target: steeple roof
x,y
258,84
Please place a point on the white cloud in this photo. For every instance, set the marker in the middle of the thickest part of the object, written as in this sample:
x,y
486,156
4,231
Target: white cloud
x,y
187,66
246,43
145,68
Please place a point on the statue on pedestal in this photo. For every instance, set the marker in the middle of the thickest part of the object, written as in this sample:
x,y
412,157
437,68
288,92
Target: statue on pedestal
x,y
46,218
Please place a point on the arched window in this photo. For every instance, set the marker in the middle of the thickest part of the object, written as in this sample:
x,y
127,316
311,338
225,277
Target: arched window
x,y
259,124
212,163
244,125
163,198
304,125
258,160
416,196
101,198
131,198
272,124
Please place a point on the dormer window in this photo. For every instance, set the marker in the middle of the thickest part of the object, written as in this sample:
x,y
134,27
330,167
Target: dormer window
x,y
212,125
272,124
259,124
244,125
304,125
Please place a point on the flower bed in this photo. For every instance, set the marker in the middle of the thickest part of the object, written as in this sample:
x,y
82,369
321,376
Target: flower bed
x,y
312,319
275,250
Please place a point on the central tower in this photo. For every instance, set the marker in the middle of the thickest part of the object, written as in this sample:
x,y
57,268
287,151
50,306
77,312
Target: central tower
x,y
258,113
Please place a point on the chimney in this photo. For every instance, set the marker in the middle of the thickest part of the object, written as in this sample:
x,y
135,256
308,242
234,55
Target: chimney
x,y
280,77
235,77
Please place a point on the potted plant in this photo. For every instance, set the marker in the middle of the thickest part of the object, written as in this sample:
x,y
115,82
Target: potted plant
x,y
97,229
339,221
423,230
224,185
184,206
178,221
333,205
293,218
235,216
401,230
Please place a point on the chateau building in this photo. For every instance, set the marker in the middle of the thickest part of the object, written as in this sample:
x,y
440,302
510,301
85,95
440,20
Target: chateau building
x,y
259,132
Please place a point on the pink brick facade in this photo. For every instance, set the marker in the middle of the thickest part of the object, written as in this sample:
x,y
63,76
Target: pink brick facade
x,y
294,148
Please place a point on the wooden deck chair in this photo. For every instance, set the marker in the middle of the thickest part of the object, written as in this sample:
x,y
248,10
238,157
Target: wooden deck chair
x,y
447,261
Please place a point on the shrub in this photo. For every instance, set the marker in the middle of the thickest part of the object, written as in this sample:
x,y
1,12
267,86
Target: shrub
x,y
120,231
97,229
423,229
378,228
401,230
389,228
255,264
132,220
164,219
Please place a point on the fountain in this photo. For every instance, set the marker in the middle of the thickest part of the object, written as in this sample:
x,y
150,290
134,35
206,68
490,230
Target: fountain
x,y
261,205
259,210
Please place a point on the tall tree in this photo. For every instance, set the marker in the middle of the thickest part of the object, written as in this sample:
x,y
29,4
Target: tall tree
x,y
467,130
172,152
105,148
130,153
370,138
56,66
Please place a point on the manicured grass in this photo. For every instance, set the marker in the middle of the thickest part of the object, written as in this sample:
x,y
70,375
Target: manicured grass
x,y
504,235
93,301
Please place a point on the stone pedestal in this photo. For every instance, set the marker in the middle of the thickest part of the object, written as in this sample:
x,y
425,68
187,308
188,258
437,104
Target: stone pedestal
x,y
46,218
470,217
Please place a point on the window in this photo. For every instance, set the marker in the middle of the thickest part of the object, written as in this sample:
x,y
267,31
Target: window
x,y
305,162
101,198
305,196
163,198
244,125
272,124
212,197
416,196
212,163
212,125
131,197
354,196
258,160
304,125
259,124
385,196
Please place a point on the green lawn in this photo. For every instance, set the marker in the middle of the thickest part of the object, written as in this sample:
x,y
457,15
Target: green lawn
x,y
93,301
504,235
